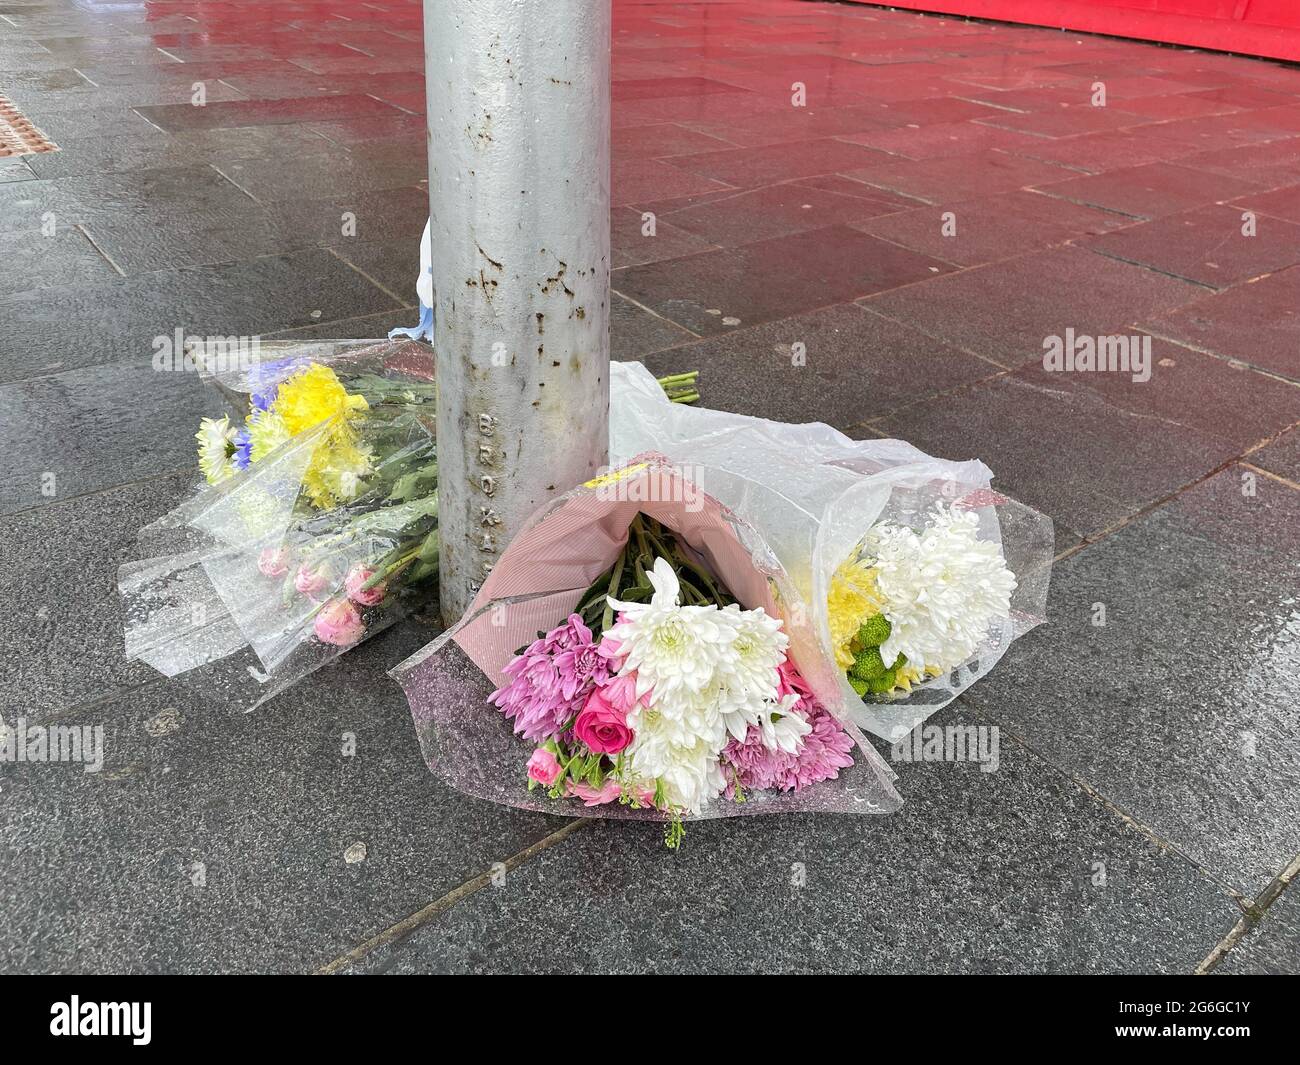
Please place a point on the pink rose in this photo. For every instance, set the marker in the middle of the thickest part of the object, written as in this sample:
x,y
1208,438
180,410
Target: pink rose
x,y
338,623
543,767
607,792
601,727
273,561
354,585
311,582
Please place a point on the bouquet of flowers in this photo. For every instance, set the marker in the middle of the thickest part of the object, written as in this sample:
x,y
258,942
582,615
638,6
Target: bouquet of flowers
x,y
911,576
319,526
634,635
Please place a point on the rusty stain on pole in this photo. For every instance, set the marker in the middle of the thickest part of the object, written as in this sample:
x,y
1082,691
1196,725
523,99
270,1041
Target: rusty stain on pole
x,y
518,120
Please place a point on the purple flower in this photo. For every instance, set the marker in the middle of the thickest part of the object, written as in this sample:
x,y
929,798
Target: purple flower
x,y
825,751
243,456
550,680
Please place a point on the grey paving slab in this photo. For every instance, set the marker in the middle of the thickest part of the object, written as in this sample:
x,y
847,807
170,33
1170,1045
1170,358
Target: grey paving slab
x,y
16,170
150,148
1272,947
62,631
634,332
319,176
854,365
634,242
366,327
33,260
382,215
1282,456
82,122
202,236
1017,870
1058,444
95,427
1182,707
392,264
81,325
1226,402
215,841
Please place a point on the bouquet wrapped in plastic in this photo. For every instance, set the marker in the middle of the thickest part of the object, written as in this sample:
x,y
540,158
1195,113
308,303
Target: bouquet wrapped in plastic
x,y
630,656
909,577
319,526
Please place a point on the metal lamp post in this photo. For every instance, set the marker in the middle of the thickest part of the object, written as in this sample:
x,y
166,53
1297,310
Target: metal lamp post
x,y
518,121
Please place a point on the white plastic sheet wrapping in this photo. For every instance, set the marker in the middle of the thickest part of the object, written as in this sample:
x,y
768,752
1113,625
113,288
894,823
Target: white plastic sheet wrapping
x,y
812,494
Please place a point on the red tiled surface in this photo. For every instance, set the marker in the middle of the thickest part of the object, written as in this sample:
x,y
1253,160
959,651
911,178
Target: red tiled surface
x,y
746,167
959,177
1153,190
1257,323
994,227
1005,310
1213,245
1067,121
795,155
1280,203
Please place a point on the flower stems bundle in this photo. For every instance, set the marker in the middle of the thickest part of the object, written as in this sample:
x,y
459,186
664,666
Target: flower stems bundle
x,y
659,691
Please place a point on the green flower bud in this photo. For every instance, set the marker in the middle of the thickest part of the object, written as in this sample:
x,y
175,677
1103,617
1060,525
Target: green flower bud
x,y
859,686
883,684
874,631
867,664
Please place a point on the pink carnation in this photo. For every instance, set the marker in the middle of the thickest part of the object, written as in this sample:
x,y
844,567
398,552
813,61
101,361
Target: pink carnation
x,y
825,751
550,680
607,792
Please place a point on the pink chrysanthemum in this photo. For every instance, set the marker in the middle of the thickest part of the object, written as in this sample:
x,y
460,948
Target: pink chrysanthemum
x,y
550,680
825,751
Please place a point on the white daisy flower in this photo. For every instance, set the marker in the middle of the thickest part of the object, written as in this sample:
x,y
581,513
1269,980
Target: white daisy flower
x,y
216,446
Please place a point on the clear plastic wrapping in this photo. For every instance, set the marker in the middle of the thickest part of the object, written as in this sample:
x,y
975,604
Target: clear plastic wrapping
x,y
260,579
812,494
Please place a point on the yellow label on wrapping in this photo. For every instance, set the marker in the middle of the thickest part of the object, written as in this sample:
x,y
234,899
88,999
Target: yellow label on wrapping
x,y
616,476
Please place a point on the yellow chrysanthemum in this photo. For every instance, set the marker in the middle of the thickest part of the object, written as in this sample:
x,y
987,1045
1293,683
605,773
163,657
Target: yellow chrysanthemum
x,y
338,464
852,599
313,395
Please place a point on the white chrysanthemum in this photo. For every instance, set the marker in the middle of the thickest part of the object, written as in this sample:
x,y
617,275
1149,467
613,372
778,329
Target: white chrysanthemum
x,y
216,446
675,649
684,763
748,678
941,588
782,728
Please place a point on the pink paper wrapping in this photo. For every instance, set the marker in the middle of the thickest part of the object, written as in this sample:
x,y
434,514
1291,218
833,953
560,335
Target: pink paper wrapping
x,y
538,581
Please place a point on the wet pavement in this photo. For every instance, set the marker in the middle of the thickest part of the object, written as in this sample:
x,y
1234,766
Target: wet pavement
x,y
919,201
